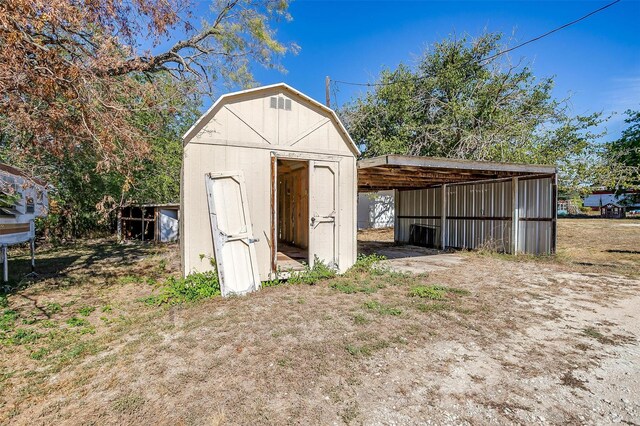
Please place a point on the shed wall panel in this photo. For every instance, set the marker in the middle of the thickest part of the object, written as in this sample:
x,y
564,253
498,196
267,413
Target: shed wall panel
x,y
535,201
202,159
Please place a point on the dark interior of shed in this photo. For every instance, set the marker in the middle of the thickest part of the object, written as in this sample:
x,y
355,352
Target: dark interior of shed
x,y
293,214
138,223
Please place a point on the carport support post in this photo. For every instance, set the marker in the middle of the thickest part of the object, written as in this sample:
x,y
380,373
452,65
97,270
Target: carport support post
x,y
515,216
396,212
443,218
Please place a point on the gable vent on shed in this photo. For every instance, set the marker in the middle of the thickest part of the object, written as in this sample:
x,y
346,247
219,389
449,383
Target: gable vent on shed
x,y
280,103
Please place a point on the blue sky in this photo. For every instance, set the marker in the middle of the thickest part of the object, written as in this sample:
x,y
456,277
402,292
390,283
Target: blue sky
x,y
596,62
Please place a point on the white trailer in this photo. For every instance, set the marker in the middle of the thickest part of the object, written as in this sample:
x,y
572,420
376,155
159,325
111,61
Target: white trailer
x,y
23,199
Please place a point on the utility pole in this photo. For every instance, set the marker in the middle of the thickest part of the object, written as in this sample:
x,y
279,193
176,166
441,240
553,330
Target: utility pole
x,y
327,81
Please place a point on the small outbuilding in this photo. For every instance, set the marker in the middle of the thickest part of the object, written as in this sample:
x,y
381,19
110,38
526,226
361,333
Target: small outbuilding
x,y
612,211
375,209
270,175
149,222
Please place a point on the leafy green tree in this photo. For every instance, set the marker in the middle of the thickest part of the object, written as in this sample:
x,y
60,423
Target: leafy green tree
x,y
621,168
465,100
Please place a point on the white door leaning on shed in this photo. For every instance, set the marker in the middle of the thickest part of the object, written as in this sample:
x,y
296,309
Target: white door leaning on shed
x,y
232,234
299,168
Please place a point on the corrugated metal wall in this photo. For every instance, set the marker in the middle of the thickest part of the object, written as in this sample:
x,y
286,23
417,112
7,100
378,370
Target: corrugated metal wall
x,y
420,207
536,201
481,214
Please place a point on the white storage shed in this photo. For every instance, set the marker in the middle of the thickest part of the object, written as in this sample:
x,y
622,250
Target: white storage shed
x,y
273,172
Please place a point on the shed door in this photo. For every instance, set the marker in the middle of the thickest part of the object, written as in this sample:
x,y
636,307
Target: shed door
x,y
323,212
232,234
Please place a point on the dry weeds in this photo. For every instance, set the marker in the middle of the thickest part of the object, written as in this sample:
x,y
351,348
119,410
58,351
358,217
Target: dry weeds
x,y
532,341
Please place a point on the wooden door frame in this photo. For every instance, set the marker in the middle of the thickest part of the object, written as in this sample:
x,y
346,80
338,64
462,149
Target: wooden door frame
x,y
274,216
299,156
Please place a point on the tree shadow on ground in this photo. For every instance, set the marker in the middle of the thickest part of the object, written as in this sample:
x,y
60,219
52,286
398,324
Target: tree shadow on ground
x,y
66,263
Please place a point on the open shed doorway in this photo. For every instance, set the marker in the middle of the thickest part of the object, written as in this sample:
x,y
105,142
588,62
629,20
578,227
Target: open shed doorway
x,y
293,215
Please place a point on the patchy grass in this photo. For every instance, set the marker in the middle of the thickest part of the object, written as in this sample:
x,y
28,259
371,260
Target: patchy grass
x,y
360,319
128,404
197,286
77,322
7,320
613,339
52,308
382,309
593,245
435,292
568,379
434,307
351,286
130,279
311,276
85,311
368,277
368,263
23,335
367,349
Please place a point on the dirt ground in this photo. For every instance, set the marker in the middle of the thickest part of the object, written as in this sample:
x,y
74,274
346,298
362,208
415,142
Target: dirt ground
x,y
502,340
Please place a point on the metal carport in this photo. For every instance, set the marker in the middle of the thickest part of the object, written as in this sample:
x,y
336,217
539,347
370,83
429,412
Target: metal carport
x,y
468,204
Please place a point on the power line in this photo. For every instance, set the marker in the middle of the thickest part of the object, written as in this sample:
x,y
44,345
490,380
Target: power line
x,y
502,52
568,24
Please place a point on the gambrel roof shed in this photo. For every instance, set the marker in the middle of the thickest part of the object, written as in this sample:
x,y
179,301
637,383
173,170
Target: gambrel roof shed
x,y
297,165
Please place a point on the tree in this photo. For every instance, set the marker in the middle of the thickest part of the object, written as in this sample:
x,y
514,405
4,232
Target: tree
x,y
93,101
620,169
82,199
74,73
463,100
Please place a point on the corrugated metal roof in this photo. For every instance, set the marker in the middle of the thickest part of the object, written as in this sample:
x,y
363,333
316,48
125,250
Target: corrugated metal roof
x,y
597,200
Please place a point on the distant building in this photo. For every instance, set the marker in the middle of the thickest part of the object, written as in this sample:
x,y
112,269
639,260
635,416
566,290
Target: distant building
x,y
567,207
612,211
375,209
611,205
149,222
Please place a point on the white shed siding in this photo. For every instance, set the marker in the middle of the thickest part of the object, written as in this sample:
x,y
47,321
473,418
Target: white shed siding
x,y
242,132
